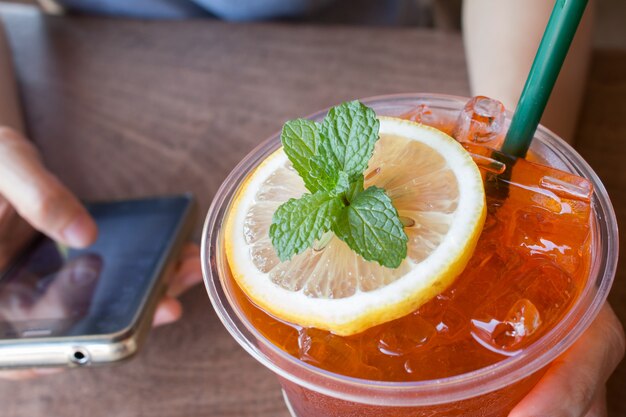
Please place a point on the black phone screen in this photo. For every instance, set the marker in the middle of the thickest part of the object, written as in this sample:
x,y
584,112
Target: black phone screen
x,y
54,291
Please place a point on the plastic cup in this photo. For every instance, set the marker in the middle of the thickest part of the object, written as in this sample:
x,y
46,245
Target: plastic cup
x,y
490,391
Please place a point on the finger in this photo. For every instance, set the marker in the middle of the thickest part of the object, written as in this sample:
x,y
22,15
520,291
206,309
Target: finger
x,y
168,311
569,386
25,374
7,213
18,375
15,233
188,274
598,407
39,196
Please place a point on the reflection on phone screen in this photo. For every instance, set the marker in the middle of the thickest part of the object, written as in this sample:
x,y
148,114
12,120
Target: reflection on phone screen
x,y
46,287
53,291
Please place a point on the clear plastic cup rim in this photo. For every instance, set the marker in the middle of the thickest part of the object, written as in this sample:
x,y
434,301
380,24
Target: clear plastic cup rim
x,y
436,391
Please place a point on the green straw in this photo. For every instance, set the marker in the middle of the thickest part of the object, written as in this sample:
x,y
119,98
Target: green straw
x,y
552,50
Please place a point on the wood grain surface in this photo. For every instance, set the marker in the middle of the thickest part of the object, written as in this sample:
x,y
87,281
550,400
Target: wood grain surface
x,y
127,108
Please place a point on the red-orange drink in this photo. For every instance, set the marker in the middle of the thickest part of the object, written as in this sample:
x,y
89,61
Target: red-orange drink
x,y
517,304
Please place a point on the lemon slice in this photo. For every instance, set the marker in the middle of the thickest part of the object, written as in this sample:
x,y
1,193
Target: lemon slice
x,y
438,192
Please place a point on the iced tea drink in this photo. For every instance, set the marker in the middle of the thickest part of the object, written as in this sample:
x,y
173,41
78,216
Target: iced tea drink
x,y
539,273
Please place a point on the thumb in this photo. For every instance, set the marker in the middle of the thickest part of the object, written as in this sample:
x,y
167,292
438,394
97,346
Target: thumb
x,y
38,196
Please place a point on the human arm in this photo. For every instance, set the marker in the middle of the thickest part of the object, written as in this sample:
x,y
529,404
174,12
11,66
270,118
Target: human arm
x,y
501,39
27,188
30,195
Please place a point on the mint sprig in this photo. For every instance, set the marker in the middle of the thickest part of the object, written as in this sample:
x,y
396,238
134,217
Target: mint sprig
x,y
371,224
330,158
349,133
299,222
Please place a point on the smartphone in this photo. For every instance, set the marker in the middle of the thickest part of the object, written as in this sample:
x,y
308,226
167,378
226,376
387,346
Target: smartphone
x,y
69,307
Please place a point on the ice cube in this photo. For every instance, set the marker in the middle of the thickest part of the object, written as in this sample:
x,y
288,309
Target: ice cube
x,y
311,343
541,233
421,113
487,269
481,121
549,286
405,336
433,310
512,332
452,323
429,366
335,353
531,184
538,204
524,317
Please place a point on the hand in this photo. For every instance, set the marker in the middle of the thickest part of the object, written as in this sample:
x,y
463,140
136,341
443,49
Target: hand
x,y
186,274
575,383
29,192
32,196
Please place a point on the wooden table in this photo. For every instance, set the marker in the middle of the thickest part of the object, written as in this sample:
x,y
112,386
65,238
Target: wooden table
x,y
126,108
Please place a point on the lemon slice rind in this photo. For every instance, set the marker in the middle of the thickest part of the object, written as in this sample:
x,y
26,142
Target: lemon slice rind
x,y
364,309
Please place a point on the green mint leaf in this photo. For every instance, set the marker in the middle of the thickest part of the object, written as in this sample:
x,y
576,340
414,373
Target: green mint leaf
x,y
325,176
371,227
343,183
331,157
300,139
299,222
355,188
348,134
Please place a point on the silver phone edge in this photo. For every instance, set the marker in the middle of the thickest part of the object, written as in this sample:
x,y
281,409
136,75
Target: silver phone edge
x,y
77,351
